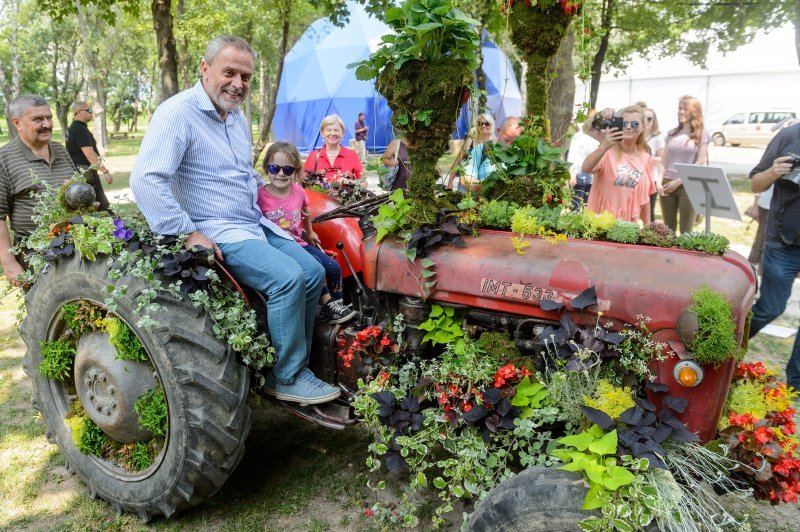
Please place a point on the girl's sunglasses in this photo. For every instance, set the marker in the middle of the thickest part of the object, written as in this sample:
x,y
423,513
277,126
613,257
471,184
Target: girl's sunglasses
x,y
484,124
275,168
630,123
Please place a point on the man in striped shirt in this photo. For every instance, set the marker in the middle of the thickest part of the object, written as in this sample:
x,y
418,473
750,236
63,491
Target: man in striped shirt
x,y
31,154
193,176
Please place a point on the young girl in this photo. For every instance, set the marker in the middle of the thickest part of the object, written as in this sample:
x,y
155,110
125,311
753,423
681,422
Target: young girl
x,y
285,202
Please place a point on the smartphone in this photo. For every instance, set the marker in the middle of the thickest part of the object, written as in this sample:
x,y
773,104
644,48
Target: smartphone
x,y
616,122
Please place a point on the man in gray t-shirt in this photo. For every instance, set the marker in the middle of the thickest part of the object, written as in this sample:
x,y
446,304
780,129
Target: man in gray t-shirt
x,y
31,153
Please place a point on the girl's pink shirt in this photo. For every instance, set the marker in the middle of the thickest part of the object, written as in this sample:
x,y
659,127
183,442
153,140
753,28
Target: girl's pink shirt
x,y
286,212
622,184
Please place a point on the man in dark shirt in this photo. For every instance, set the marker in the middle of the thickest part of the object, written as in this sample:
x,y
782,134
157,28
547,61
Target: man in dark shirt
x,y
780,165
83,149
361,138
31,154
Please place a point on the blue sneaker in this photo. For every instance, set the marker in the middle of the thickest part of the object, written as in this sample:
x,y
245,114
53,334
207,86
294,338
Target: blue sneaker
x,y
306,389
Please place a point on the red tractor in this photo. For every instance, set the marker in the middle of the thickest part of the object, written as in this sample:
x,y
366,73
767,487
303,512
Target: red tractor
x,y
205,385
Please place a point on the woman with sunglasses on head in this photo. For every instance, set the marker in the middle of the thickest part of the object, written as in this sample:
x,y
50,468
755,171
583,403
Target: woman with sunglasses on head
x,y
655,141
333,162
622,170
484,131
687,143
285,203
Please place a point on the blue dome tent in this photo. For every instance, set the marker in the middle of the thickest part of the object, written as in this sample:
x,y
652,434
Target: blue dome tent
x,y
316,82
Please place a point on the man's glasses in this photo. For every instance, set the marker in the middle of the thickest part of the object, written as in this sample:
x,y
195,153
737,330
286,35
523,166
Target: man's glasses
x,y
483,124
630,123
275,168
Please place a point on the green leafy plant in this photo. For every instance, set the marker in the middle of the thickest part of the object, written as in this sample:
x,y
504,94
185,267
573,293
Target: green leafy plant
x,y
392,216
624,232
715,340
57,359
496,214
95,236
441,326
139,457
87,436
530,171
529,396
424,30
573,224
592,454
610,399
152,411
124,340
707,242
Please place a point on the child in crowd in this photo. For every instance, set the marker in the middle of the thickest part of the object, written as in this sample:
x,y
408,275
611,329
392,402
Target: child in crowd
x,y
285,202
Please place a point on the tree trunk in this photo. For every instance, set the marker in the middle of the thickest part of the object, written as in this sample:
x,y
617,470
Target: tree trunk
x,y
797,29
183,53
167,54
480,79
11,92
561,96
265,122
136,104
96,92
7,97
606,16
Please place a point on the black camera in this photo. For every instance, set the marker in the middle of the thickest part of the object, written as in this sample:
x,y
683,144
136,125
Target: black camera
x,y
794,174
599,123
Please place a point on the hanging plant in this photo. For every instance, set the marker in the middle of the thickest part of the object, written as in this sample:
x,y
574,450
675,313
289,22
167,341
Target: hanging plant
x,y
423,70
537,28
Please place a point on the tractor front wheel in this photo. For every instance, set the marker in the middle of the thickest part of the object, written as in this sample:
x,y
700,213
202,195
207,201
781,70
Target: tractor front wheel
x,y
204,390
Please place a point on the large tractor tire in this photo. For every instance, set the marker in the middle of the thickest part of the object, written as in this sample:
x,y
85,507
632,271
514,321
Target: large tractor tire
x,y
204,387
538,499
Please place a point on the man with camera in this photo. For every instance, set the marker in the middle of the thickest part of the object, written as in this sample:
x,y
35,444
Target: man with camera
x,y
780,165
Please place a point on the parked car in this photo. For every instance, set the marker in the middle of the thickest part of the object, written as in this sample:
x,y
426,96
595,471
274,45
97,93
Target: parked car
x,y
753,127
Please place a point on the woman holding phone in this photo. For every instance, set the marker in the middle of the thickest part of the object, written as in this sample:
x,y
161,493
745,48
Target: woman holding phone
x,y
623,169
688,144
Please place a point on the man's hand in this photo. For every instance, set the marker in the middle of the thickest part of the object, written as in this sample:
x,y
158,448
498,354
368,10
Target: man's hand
x,y
197,238
781,166
108,176
12,271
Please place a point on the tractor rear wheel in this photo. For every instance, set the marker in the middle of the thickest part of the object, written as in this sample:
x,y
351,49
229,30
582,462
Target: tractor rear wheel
x,y
204,388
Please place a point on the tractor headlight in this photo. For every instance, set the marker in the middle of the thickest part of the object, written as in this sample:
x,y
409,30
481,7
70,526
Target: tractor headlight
x,y
688,373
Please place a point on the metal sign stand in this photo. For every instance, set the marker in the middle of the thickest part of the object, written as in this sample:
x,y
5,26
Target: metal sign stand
x,y
709,191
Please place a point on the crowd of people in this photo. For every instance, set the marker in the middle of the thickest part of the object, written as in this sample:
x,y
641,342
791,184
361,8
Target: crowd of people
x,y
193,177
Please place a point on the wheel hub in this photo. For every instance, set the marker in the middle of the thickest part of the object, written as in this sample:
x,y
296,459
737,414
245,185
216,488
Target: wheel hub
x,y
108,387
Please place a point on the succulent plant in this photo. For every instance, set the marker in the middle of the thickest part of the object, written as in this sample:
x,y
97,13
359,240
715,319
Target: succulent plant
x,y
657,234
708,242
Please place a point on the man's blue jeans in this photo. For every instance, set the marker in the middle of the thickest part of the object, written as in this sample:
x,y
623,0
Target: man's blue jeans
x,y
292,281
781,264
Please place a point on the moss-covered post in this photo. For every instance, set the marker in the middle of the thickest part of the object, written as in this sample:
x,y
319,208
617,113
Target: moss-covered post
x,y
537,32
425,98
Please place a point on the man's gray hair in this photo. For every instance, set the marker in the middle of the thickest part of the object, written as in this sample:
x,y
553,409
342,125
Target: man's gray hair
x,y
22,103
217,44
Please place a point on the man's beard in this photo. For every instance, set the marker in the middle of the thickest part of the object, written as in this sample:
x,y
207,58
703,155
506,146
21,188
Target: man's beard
x,y
229,106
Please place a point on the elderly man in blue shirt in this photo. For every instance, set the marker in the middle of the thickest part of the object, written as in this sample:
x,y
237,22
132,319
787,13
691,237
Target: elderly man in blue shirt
x,y
193,176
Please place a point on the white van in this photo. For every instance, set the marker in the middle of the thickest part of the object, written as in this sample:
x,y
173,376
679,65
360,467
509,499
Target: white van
x,y
752,127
